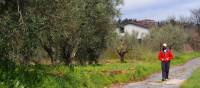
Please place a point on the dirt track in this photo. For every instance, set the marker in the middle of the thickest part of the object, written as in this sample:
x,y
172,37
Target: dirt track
x,y
177,76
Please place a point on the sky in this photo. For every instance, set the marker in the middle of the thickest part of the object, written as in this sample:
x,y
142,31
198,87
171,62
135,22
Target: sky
x,y
157,9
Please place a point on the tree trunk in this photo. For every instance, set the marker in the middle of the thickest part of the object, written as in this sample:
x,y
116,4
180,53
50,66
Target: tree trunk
x,y
50,51
52,60
68,55
121,55
198,28
96,61
122,58
93,61
26,59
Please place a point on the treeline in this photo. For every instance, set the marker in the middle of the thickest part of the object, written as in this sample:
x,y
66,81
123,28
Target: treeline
x,y
62,30
128,47
181,35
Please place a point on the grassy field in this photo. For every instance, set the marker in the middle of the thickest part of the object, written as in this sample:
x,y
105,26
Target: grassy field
x,y
93,76
193,81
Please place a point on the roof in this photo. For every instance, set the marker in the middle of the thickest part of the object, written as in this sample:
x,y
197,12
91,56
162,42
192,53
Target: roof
x,y
138,26
146,23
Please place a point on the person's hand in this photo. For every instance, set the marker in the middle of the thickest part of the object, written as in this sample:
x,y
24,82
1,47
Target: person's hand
x,y
167,59
162,59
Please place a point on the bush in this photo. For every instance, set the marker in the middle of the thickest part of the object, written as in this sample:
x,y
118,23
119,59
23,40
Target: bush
x,y
14,76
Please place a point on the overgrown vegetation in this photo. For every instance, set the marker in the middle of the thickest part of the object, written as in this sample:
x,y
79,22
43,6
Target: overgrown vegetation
x,y
92,76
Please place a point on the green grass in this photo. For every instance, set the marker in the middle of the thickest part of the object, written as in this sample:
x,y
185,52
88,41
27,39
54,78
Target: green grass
x,y
180,59
193,81
92,76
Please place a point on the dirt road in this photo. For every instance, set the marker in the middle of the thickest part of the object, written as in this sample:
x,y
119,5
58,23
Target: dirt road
x,y
177,76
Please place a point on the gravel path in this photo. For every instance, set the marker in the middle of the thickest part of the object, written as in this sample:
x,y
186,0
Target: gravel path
x,y
177,75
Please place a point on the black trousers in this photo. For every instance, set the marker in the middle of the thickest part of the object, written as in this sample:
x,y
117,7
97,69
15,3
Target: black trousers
x,y
165,69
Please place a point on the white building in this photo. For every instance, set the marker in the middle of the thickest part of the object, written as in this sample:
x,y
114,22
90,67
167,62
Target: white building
x,y
131,29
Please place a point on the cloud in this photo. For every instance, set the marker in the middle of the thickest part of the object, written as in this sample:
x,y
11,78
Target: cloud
x,y
139,4
157,9
134,4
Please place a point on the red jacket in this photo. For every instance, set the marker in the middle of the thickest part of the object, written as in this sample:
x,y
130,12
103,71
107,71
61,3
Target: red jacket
x,y
165,56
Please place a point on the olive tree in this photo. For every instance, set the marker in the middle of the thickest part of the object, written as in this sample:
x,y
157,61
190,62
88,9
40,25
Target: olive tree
x,y
173,35
196,18
65,29
121,45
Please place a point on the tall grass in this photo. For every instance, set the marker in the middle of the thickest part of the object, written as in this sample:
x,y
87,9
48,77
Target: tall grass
x,y
92,76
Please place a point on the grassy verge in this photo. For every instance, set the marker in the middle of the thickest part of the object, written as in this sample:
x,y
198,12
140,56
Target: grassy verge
x,y
182,58
96,76
193,81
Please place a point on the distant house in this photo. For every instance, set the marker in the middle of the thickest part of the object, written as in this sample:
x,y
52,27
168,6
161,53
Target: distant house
x,y
131,29
138,28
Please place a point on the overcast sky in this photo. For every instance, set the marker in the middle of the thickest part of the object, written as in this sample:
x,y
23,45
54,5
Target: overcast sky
x,y
157,9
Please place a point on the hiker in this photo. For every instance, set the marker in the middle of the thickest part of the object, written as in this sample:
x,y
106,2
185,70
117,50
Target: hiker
x,y
165,55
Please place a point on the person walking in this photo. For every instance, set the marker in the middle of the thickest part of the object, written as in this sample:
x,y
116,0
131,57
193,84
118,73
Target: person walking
x,y
165,55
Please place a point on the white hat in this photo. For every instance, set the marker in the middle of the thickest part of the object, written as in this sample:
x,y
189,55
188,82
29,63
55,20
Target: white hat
x,y
164,44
